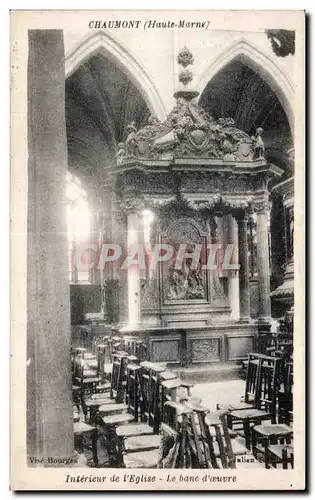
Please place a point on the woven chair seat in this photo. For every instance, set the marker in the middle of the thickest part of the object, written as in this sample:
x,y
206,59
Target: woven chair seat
x,y
141,460
250,413
142,443
118,419
134,429
81,428
99,402
276,449
112,408
273,429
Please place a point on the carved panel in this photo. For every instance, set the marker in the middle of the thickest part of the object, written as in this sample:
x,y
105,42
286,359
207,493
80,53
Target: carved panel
x,y
239,347
166,350
205,350
189,281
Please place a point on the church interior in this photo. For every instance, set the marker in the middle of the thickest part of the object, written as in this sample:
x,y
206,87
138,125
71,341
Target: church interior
x,y
187,149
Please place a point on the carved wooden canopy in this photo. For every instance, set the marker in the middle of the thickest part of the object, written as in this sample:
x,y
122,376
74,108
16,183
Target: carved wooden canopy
x,y
190,154
189,131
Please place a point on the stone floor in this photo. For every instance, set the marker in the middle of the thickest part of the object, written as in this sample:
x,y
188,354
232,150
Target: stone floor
x,y
227,392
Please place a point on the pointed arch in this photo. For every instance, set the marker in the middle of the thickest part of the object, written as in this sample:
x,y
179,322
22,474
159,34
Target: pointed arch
x,y
102,42
249,55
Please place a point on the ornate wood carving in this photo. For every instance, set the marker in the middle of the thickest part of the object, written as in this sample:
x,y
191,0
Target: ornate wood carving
x,y
190,131
189,282
205,350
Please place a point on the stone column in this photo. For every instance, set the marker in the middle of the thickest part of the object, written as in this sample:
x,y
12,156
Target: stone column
x,y
117,281
263,265
233,289
49,393
133,272
244,268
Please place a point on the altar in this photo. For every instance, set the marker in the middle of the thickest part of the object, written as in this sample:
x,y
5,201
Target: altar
x,y
178,202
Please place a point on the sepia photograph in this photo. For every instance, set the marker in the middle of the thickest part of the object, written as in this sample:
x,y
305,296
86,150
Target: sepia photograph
x,y
157,246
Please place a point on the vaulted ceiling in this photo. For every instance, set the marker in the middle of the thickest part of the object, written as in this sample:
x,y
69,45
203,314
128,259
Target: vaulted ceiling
x,y
238,92
100,102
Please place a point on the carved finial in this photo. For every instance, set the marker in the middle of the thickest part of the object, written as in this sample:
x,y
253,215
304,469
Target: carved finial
x,y
185,57
185,77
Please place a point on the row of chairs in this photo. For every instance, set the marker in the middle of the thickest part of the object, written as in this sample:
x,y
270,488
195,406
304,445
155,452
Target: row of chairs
x,y
149,419
144,411
265,415
169,427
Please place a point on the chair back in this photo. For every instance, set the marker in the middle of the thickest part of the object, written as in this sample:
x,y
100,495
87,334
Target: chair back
x,y
133,389
252,379
269,379
118,376
145,375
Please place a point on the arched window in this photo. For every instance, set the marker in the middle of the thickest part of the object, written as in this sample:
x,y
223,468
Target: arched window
x,y
79,227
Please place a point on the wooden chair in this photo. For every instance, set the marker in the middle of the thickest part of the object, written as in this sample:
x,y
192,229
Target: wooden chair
x,y
76,396
218,448
167,447
263,342
85,437
135,428
265,407
129,344
145,374
132,390
276,434
145,442
279,454
118,378
268,437
148,437
251,394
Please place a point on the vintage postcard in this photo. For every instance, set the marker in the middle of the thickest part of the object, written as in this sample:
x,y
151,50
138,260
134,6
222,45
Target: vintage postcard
x,y
157,237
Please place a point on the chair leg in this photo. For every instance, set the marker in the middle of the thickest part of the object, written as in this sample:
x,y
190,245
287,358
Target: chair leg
x,y
94,447
246,428
254,443
229,421
267,458
284,459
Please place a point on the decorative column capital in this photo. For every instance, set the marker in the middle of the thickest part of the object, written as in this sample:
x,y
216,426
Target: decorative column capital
x,y
132,205
262,206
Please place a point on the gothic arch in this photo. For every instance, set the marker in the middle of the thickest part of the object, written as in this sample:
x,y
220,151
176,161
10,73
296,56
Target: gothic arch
x,y
262,65
101,42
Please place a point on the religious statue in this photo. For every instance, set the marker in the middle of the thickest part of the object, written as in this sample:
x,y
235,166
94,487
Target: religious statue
x,y
131,132
121,152
259,145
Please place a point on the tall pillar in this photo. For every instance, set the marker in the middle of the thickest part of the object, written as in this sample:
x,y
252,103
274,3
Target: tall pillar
x,y
263,265
49,394
244,293
118,281
134,315
233,289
